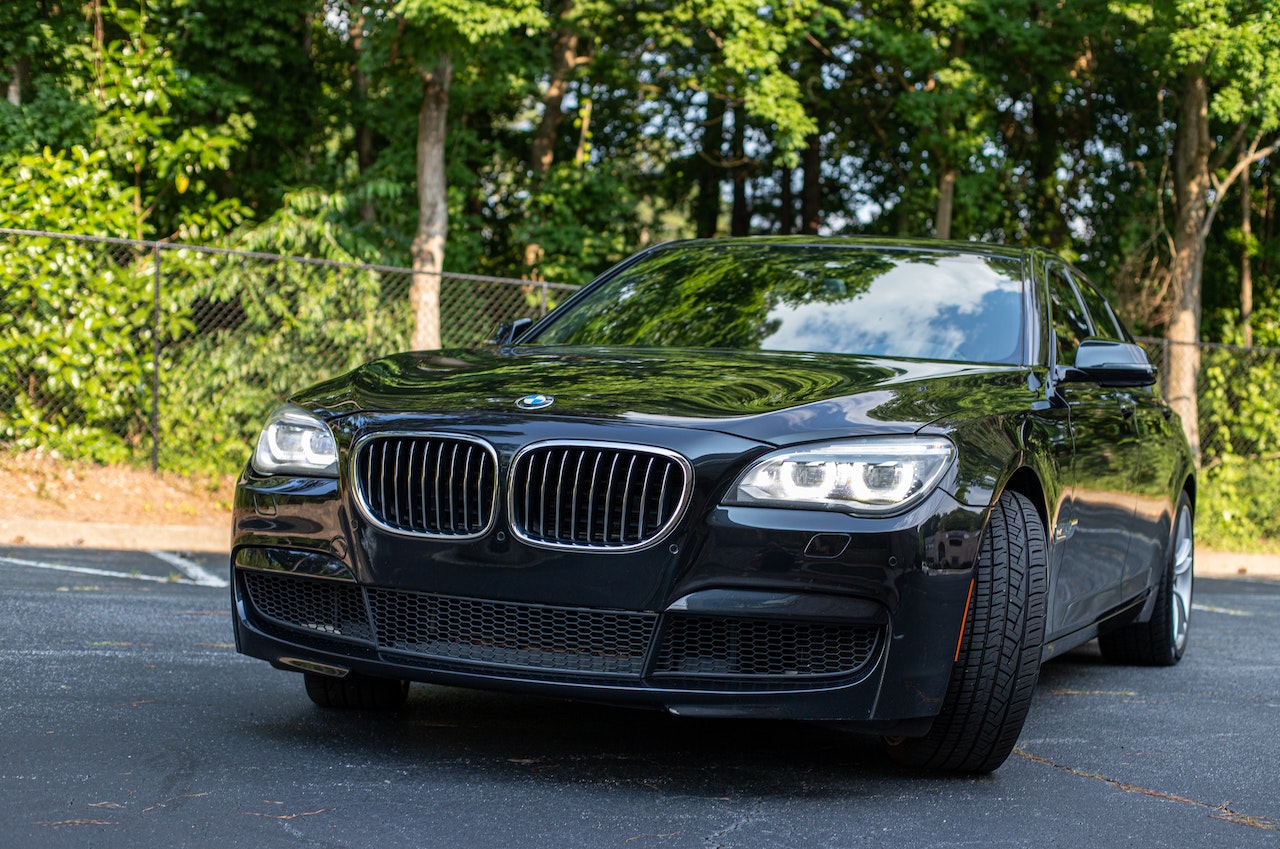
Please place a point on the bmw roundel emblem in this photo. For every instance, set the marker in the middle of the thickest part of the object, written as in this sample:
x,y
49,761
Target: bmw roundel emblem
x,y
537,401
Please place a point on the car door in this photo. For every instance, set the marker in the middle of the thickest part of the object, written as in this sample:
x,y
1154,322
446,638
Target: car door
x,y
1157,462
1093,532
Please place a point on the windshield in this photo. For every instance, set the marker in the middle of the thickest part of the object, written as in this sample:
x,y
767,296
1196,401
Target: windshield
x,y
937,305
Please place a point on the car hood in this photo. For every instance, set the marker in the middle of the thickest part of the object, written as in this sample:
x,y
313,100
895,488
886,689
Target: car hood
x,y
768,396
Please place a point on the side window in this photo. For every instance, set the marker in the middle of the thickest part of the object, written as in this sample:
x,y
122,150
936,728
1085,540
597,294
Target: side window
x,y
1105,325
1069,319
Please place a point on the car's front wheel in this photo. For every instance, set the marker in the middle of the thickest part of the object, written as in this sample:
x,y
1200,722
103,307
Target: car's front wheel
x,y
356,691
1161,640
998,659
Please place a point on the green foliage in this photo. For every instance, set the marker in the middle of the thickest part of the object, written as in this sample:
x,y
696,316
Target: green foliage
x,y
76,342
287,126
250,336
71,191
136,89
47,114
583,220
1240,433
1236,509
1240,398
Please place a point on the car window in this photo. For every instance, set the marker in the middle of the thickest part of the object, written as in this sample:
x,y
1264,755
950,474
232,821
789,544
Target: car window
x,y
1105,325
941,305
1068,316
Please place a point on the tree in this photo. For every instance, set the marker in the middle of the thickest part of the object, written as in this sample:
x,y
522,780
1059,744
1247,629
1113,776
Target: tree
x,y
430,33
569,51
1221,63
938,94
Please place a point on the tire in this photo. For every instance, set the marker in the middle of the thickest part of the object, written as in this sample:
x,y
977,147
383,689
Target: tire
x,y
998,661
1162,640
356,691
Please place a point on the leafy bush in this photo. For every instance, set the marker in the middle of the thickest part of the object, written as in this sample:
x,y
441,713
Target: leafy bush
x,y
1237,507
1240,441
77,340
253,335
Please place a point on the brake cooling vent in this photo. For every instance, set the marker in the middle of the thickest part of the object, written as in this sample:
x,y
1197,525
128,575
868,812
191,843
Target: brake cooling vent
x,y
764,649
334,608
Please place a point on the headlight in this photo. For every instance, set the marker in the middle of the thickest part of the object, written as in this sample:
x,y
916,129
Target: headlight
x,y
296,442
872,476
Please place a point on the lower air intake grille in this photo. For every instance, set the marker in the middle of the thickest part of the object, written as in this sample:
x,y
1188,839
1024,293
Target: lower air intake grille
x,y
764,649
511,634
327,607
566,643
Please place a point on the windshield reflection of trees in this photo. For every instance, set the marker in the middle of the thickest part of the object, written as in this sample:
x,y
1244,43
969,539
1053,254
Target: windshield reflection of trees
x,y
711,297
739,297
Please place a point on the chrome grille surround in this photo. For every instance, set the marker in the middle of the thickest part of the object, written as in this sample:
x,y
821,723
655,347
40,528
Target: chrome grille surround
x,y
605,497
426,484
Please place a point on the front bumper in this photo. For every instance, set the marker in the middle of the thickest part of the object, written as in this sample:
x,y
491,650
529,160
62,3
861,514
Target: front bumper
x,y
748,612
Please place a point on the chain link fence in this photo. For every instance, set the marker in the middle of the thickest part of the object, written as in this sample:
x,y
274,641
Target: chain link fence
x,y
1239,400
148,352
132,351
1238,395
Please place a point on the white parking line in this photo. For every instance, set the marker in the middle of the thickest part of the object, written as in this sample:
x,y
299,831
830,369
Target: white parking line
x,y
1208,608
197,573
100,573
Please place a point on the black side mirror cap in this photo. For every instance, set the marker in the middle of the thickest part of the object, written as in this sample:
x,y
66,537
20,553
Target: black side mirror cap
x,y
510,331
1109,363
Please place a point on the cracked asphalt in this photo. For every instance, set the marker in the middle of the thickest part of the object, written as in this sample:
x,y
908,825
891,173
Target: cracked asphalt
x,y
127,719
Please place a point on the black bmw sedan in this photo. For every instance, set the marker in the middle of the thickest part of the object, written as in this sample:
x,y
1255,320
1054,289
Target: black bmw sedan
x,y
868,482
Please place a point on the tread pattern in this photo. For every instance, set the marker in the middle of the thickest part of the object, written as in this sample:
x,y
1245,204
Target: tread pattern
x,y
992,682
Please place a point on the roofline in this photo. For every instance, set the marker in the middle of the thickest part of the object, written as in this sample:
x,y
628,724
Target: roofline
x,y
892,243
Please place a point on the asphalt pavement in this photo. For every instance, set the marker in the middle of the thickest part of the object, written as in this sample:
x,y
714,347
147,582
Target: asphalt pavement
x,y
128,720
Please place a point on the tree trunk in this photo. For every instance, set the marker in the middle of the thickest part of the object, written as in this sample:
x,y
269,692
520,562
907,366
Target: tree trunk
x,y
946,203
1267,227
786,202
706,207
740,218
1191,184
811,191
1048,226
433,206
19,71
1246,262
364,133
564,58
581,155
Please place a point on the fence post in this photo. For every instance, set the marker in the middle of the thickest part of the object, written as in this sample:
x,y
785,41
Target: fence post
x,y
1164,366
544,297
155,366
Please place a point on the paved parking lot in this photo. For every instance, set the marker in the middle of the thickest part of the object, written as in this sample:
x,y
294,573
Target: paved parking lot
x,y
129,720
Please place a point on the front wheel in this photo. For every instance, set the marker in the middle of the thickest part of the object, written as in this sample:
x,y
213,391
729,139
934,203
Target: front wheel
x,y
1162,640
998,660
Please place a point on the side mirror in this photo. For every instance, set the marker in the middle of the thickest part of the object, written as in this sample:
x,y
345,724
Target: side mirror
x,y
1109,363
510,331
